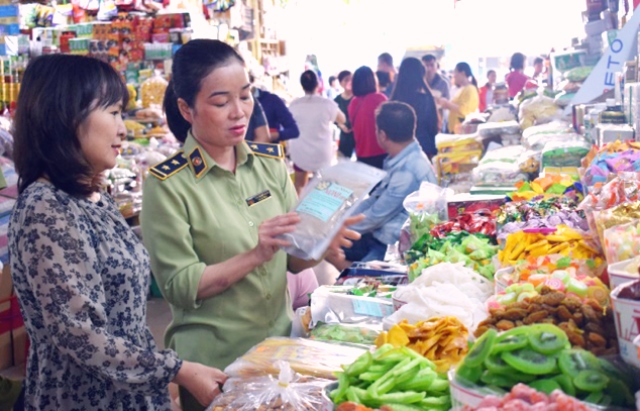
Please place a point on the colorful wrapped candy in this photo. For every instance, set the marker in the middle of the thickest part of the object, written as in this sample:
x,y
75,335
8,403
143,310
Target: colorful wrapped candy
x,y
546,187
618,215
624,188
482,222
548,264
615,158
622,242
516,211
573,219
544,241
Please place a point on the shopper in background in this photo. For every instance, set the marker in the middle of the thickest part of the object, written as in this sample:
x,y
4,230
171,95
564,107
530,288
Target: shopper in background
x,y
213,212
315,115
362,116
439,85
407,167
538,68
333,90
80,273
346,144
411,88
385,64
258,128
384,82
485,93
466,100
281,124
516,79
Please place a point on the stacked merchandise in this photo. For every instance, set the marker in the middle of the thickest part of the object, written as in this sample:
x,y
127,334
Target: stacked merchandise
x,y
457,156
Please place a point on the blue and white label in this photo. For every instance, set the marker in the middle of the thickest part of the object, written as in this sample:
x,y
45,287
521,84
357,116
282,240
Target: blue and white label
x,y
324,201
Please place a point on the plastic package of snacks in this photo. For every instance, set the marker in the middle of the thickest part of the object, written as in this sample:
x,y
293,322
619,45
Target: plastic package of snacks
x,y
538,110
499,174
290,392
622,242
564,154
306,357
327,201
152,91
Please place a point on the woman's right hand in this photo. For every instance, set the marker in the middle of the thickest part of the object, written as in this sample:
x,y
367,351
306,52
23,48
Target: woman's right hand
x,y
268,244
201,381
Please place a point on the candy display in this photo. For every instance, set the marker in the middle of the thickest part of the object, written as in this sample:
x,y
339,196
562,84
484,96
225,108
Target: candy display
x,y
623,188
622,242
479,222
444,290
544,241
572,219
392,376
626,305
474,250
622,214
546,187
525,398
523,211
586,322
442,340
615,157
535,269
564,154
539,356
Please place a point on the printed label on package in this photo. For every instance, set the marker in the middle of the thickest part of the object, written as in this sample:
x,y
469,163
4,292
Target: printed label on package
x,y
324,201
372,308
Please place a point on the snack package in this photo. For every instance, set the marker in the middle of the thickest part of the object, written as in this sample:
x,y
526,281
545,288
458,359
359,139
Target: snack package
x,y
306,357
152,91
622,242
498,174
538,110
347,333
623,188
334,307
615,158
618,215
327,201
290,391
498,128
564,153
481,221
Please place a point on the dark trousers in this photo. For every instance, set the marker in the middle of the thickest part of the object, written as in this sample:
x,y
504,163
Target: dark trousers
x,y
375,161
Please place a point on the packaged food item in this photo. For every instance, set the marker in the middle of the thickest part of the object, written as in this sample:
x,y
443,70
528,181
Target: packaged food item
x,y
152,91
482,222
626,305
289,391
547,186
523,211
455,143
539,356
623,188
615,158
332,307
498,128
392,376
621,214
622,242
498,174
345,333
327,201
442,340
508,154
461,203
572,219
564,154
546,265
587,323
538,110
306,357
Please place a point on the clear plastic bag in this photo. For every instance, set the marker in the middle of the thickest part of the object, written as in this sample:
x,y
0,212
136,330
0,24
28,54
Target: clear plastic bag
x,y
564,153
538,110
307,357
327,201
152,91
497,129
290,391
498,174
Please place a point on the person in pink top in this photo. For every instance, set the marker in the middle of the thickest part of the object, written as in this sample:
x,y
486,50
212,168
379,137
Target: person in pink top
x,y
516,79
362,116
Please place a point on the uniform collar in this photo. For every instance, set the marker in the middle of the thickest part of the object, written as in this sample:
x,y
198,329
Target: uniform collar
x,y
201,163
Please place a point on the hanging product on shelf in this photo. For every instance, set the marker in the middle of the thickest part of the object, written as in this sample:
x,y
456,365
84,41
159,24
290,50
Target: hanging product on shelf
x,y
219,6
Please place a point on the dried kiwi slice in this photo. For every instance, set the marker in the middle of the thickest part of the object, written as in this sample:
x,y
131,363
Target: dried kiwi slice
x,y
513,339
499,380
481,349
594,397
591,381
566,384
547,338
529,361
547,385
571,362
496,364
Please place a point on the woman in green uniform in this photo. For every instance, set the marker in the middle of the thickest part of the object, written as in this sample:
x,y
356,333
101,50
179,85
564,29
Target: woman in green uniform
x,y
212,213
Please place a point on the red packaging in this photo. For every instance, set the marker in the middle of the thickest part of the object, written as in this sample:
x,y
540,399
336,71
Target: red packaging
x,y
461,203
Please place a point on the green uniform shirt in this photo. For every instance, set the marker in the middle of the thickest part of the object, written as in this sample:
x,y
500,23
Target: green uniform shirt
x,y
198,214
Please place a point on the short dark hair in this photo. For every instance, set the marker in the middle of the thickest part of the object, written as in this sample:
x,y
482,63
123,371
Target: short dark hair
x,y
191,64
309,81
517,61
332,79
428,58
538,60
384,79
490,72
58,94
363,82
386,58
397,120
343,74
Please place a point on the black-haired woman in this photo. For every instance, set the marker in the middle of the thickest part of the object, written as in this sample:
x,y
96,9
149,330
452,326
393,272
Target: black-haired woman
x,y
411,88
213,213
315,115
362,111
80,273
466,101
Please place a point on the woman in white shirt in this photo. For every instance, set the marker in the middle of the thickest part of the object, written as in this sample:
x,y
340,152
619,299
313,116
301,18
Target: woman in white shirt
x,y
315,115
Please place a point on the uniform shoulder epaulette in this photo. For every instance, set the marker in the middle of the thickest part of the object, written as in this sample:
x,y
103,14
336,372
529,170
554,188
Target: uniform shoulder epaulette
x,y
170,166
266,150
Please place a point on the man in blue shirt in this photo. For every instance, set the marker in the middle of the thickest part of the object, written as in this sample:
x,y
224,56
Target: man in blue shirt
x,y
407,167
